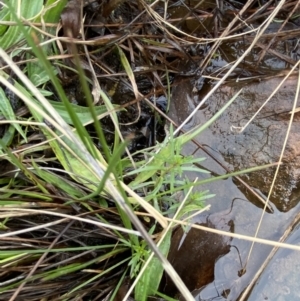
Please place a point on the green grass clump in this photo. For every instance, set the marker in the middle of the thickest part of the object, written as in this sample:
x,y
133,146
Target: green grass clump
x,y
70,208
75,186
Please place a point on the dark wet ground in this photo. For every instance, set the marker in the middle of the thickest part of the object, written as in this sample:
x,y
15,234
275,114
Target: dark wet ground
x,y
260,143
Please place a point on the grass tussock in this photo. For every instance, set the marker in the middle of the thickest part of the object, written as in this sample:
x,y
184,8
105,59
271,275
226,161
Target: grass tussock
x,y
86,194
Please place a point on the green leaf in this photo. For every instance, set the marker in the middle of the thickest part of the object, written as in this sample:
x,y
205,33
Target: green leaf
x,y
63,184
45,92
83,113
151,278
12,35
8,136
127,68
72,161
64,270
37,74
53,9
194,168
4,16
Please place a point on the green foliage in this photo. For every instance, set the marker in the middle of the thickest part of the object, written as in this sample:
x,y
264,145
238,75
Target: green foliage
x,y
139,253
83,113
194,203
158,177
11,34
37,74
52,10
149,283
35,12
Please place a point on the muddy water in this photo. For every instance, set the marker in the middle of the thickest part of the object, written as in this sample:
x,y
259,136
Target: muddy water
x,y
259,144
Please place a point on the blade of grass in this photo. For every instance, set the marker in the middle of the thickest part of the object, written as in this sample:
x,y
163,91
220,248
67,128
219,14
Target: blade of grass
x,y
77,266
